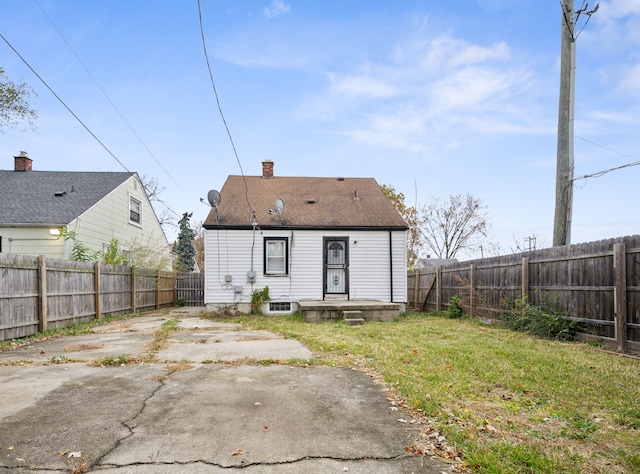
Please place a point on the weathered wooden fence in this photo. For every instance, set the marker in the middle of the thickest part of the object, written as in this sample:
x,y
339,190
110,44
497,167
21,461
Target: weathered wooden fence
x,y
37,293
190,286
597,283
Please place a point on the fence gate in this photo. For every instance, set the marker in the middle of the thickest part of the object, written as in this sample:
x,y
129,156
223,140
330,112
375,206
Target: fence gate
x,y
190,286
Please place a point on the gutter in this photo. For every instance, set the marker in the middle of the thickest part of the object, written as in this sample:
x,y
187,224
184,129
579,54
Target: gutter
x,y
391,264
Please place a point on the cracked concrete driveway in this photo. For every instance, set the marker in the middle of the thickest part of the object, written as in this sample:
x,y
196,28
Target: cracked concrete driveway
x,y
207,407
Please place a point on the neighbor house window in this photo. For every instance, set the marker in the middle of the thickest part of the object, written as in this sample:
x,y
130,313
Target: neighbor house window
x,y
135,211
276,259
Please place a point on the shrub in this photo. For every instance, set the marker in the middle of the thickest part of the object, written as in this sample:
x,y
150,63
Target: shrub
x,y
455,309
181,301
539,321
258,297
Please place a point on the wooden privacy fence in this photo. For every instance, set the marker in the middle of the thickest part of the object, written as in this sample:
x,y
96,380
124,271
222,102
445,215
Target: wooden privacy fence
x,y
190,286
38,293
596,283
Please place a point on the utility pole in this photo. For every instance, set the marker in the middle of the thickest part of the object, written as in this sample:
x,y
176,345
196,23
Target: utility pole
x,y
565,160
564,167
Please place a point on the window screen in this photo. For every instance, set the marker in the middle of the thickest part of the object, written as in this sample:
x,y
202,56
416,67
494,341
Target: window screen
x,y
275,256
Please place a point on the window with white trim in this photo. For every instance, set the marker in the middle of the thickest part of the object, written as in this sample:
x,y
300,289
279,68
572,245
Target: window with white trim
x,y
135,211
276,258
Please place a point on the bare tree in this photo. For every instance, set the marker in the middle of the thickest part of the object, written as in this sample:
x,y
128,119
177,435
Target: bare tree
x,y
165,215
14,103
149,253
410,216
198,244
458,223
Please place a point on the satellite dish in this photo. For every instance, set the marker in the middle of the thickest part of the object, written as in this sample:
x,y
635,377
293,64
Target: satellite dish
x,y
279,205
214,198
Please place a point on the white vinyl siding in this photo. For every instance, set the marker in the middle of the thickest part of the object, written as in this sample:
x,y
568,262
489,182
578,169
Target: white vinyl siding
x,y
229,252
109,218
32,241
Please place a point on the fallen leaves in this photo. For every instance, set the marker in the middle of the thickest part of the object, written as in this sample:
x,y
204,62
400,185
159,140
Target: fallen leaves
x,y
238,452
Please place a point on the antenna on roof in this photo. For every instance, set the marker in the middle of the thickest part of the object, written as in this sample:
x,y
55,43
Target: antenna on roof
x,y
213,197
279,209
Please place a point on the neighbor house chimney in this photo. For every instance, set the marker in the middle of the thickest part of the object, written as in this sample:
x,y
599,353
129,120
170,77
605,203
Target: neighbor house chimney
x,y
22,162
267,169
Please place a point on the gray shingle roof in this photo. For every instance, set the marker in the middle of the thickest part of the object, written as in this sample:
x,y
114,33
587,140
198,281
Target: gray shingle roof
x,y
308,203
29,197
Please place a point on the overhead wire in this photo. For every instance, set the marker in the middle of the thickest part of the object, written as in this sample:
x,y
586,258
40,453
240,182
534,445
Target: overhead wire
x,y
607,148
112,104
224,121
64,104
598,174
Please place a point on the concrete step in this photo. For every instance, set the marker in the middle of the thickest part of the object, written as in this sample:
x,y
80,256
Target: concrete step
x,y
354,321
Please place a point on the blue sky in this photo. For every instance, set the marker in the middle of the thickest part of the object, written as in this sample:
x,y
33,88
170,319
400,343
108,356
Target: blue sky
x,y
431,97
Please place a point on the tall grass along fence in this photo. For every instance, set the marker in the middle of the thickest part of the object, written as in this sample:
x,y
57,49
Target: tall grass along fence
x,y
595,283
38,293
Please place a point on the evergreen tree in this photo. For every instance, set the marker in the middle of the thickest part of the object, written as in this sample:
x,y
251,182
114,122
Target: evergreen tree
x,y
183,248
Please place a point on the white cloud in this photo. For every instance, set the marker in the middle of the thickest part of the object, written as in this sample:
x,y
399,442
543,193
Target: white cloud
x,y
630,80
451,53
360,86
618,8
276,9
429,96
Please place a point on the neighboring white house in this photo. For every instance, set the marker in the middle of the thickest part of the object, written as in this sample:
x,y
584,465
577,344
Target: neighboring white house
x,y
97,206
306,239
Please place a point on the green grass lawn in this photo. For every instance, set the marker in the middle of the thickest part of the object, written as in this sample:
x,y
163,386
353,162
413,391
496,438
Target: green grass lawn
x,y
508,402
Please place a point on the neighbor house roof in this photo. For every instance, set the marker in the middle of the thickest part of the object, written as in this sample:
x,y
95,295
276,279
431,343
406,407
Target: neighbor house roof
x,y
319,203
52,197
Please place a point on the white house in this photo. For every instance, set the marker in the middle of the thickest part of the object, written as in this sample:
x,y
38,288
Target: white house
x,y
97,206
306,239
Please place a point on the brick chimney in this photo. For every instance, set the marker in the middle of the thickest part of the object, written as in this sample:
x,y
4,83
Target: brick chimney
x,y
22,162
267,169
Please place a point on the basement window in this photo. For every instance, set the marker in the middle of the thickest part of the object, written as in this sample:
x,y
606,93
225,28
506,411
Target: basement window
x,y
279,306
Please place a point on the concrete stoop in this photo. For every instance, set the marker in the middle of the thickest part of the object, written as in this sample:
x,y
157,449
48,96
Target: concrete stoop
x,y
357,310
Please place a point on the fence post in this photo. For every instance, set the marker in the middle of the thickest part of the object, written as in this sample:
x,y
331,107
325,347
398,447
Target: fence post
x,y
158,289
438,288
43,315
416,287
525,278
96,284
472,286
175,287
620,294
133,289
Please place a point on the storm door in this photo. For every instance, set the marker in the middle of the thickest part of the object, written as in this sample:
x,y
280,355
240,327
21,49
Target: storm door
x,y
336,265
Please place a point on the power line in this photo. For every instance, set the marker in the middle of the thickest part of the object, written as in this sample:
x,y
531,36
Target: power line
x,y
597,174
106,95
215,91
63,103
627,155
